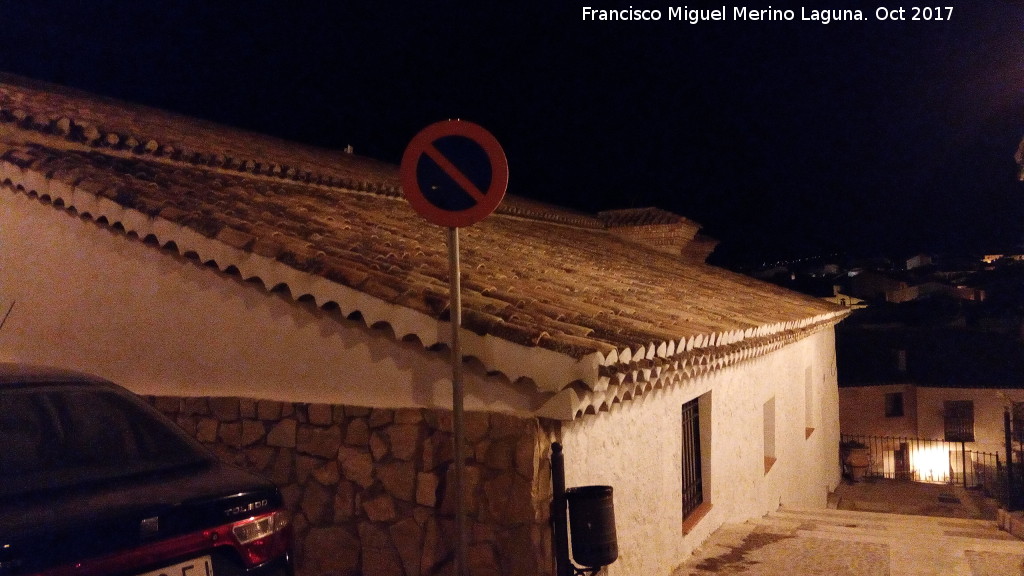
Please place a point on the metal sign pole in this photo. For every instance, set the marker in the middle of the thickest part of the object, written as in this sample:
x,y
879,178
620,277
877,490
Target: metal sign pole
x,y
448,173
1012,501
455,307
4,321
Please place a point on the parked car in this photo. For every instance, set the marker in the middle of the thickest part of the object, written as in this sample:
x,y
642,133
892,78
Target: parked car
x,y
95,481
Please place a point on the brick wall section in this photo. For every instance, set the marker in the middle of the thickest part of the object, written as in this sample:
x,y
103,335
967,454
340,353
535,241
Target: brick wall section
x,y
665,238
367,487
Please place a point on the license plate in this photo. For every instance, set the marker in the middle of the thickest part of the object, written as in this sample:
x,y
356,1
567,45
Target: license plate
x,y
196,567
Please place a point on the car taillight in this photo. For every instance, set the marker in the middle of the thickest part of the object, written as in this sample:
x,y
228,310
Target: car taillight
x,y
257,540
262,538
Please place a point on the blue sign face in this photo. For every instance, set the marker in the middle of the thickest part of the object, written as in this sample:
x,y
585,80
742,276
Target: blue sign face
x,y
454,173
443,189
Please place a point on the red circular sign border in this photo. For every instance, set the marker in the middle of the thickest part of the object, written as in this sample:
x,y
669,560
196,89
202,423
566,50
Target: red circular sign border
x,y
499,173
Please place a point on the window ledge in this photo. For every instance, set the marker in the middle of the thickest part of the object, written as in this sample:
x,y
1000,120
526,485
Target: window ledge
x,y
768,463
691,521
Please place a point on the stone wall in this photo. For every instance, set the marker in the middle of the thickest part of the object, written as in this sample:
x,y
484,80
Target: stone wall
x,y
367,487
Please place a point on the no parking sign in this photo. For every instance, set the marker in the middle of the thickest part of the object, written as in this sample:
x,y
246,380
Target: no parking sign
x,y
454,173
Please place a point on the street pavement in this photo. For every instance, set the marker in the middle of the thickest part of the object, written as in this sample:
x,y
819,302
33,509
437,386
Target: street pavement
x,y
917,498
954,538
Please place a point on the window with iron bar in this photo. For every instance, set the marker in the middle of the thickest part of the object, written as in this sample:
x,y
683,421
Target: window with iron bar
x,y
959,420
693,483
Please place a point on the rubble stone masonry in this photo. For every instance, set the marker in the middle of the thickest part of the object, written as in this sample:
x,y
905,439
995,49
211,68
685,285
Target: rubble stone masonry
x,y
367,488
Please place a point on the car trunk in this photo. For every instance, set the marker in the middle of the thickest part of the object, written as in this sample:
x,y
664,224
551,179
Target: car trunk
x,y
44,529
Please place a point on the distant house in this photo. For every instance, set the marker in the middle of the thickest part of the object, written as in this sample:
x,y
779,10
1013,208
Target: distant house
x,y
993,258
918,261
845,300
925,383
875,285
921,290
898,288
287,307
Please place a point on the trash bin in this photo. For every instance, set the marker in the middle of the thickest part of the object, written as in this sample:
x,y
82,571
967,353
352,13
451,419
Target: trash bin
x,y
592,525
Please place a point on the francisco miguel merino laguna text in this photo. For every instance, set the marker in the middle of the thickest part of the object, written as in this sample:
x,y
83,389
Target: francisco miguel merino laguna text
x,y
697,15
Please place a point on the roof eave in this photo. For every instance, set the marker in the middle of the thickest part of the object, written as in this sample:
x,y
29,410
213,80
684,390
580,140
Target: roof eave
x,y
550,371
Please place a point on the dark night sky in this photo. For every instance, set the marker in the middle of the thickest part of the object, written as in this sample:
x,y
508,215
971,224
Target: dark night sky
x,y
782,138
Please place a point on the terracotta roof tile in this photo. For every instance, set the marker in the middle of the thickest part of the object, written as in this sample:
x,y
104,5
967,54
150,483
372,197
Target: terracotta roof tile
x,y
534,275
641,217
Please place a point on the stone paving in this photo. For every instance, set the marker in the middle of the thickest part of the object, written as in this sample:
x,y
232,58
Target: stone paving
x,y
833,542
916,498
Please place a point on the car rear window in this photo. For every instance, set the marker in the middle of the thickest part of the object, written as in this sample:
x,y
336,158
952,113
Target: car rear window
x,y
59,436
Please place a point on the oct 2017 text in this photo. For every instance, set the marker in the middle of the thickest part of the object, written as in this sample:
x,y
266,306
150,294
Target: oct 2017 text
x,y
744,14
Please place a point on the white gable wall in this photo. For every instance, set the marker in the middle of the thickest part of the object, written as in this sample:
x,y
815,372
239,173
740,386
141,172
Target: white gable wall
x,y
636,448
989,405
93,299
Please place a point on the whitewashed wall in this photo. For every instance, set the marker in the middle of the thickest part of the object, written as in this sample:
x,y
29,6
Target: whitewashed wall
x,y
989,404
636,448
862,411
92,299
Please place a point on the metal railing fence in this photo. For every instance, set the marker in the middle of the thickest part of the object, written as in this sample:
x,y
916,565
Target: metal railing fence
x,y
921,460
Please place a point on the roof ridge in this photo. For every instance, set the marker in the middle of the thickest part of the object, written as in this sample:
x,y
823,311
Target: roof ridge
x,y
95,138
95,135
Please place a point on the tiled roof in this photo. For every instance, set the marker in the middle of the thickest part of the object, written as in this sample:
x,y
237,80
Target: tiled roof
x,y
642,217
584,315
